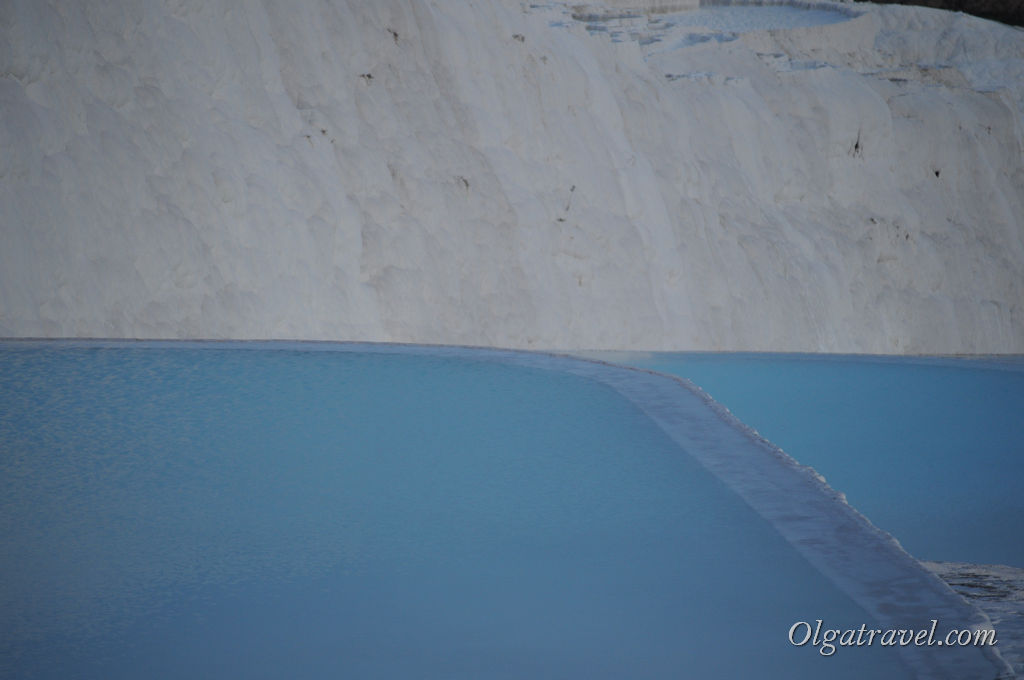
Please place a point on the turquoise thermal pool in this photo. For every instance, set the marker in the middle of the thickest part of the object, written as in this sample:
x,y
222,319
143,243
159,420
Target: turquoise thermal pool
x,y
929,449
316,510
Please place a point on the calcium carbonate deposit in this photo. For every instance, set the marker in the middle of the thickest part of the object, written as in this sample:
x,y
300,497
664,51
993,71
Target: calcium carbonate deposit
x,y
513,174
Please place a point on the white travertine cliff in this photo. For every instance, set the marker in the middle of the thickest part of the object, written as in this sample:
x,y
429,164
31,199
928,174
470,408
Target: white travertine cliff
x,y
502,173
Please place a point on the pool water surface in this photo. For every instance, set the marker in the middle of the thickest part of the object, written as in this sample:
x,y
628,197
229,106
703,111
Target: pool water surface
x,y
930,449
253,510
712,22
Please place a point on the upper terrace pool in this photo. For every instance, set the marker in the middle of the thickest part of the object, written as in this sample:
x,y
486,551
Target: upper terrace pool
x,y
711,21
311,510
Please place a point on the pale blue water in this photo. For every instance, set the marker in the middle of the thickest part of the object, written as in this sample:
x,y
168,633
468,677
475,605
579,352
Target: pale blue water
x,y
931,450
170,512
740,18
718,22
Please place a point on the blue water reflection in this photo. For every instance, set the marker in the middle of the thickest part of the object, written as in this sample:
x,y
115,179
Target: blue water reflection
x,y
931,450
170,512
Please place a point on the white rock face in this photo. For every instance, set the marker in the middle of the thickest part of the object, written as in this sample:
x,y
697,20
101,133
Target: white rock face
x,y
495,173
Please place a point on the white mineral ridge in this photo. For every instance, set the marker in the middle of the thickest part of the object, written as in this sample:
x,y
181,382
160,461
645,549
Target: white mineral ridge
x,y
494,173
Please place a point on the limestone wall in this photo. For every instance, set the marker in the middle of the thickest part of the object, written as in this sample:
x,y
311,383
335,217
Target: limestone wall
x,y
502,174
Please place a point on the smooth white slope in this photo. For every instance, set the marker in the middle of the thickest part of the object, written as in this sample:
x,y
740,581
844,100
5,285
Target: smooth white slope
x,y
492,173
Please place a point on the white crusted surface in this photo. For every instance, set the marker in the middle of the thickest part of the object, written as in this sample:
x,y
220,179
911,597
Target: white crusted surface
x,y
494,173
